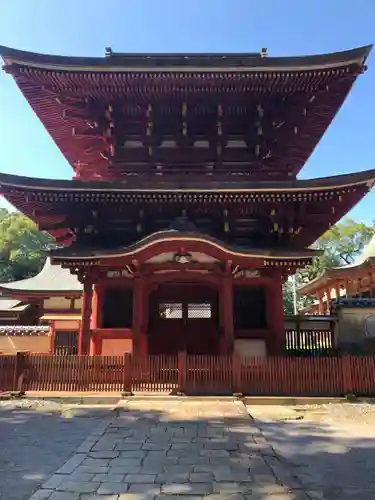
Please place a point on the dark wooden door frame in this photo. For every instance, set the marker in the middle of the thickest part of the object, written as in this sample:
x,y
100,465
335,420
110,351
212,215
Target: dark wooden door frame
x,y
183,329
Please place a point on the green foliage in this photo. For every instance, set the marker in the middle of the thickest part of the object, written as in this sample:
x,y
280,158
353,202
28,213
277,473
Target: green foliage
x,y
21,246
345,241
288,297
340,245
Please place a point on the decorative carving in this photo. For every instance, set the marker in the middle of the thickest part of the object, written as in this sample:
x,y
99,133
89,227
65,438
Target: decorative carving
x,y
183,258
118,273
247,273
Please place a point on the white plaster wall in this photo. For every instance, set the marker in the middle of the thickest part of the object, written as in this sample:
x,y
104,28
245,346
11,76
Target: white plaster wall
x,y
68,325
352,324
56,303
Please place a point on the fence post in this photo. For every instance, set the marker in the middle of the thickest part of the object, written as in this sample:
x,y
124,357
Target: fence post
x,y
181,371
19,370
236,373
346,370
127,375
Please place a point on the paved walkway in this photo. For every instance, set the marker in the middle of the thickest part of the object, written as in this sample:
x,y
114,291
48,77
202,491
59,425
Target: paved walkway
x,y
38,437
169,449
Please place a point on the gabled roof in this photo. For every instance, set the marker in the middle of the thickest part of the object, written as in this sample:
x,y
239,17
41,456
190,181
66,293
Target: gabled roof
x,y
172,240
364,259
52,278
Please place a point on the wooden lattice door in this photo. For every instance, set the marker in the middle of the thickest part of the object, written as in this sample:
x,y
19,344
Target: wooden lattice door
x,y
184,318
66,342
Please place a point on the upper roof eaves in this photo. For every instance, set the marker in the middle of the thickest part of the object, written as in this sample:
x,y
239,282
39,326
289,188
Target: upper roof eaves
x,y
337,181
200,61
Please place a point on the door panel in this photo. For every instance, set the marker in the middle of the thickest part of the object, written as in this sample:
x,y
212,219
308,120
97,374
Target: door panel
x,y
201,328
183,317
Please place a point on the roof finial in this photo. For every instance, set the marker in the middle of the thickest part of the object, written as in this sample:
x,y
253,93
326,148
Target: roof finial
x,y
108,52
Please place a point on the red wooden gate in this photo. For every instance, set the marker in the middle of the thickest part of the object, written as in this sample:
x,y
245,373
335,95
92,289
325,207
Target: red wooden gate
x,y
184,319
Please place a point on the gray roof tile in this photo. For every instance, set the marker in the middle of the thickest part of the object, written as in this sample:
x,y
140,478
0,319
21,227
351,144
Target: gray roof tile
x,y
52,278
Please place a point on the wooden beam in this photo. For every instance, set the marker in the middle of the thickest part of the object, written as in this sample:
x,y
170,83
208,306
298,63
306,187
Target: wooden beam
x,y
150,268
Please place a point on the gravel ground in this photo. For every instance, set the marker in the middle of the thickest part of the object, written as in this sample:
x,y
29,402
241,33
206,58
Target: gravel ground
x,y
330,449
36,438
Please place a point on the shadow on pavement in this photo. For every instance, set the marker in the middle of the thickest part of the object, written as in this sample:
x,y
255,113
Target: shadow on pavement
x,y
195,449
36,438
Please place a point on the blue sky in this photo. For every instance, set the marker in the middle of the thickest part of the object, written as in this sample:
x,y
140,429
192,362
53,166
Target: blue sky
x,y
285,27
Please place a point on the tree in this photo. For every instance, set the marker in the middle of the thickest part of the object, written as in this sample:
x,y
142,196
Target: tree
x,y
21,246
345,241
341,245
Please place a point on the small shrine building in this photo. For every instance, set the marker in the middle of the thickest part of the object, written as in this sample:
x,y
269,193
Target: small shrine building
x,y
352,281
185,215
43,312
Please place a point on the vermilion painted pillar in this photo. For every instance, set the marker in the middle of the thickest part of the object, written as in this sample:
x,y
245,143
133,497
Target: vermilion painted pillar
x,y
337,290
84,332
328,294
321,305
99,315
226,311
276,315
138,311
96,341
144,319
51,333
100,301
347,288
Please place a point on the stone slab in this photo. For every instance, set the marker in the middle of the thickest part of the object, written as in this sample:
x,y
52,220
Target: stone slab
x,y
178,449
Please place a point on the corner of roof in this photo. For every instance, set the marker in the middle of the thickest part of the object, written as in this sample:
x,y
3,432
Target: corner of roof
x,y
367,49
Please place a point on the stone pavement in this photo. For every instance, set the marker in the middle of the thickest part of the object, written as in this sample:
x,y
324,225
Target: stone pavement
x,y
168,449
329,448
36,438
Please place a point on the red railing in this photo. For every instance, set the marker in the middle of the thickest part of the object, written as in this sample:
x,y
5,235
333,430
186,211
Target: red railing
x,y
284,375
8,372
154,374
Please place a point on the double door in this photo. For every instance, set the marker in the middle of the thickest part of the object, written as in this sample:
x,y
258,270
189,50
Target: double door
x,y
184,318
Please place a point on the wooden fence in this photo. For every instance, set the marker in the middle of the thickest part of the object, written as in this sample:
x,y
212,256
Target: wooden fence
x,y
284,375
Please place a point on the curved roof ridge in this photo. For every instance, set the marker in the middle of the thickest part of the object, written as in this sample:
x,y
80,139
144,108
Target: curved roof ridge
x,y
173,234
187,60
50,274
291,185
